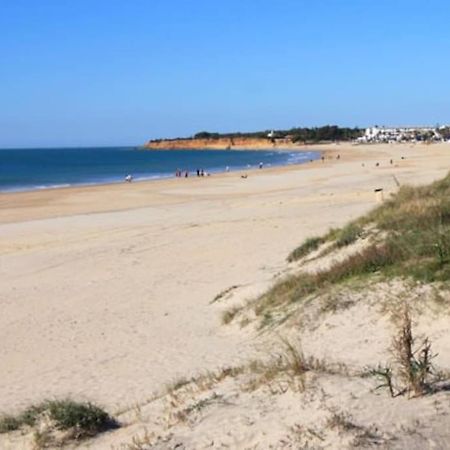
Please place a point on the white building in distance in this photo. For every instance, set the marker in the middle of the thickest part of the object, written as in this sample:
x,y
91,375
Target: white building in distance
x,y
401,134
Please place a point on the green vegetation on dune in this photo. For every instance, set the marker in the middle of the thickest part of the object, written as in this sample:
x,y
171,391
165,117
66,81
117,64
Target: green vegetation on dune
x,y
413,241
338,237
85,419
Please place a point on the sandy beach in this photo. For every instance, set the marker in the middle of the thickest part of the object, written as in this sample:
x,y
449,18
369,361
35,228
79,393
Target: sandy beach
x,y
106,291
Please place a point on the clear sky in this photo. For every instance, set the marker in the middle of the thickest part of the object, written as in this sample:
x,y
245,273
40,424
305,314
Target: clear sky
x,y
118,72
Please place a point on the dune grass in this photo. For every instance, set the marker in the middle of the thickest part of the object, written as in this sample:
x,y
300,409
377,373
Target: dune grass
x,y
308,246
415,243
340,237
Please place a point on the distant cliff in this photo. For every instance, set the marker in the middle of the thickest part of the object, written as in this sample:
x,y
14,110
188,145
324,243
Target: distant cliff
x,y
259,139
221,143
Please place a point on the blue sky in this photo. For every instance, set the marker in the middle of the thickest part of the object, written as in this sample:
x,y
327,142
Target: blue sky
x,y
110,72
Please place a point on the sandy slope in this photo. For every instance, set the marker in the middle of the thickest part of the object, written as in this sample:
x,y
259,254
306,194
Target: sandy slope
x,y
105,292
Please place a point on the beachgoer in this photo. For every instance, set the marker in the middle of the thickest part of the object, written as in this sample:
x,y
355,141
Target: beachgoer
x,y
128,178
260,165
202,173
186,174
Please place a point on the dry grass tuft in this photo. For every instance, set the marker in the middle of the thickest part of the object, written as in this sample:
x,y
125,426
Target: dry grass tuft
x,y
414,363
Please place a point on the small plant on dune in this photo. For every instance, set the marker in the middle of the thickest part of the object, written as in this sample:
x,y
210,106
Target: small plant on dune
x,y
384,374
86,419
289,366
413,367
294,358
414,364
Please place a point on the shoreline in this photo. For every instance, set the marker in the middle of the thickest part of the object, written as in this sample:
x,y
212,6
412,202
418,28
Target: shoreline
x,y
165,176
120,196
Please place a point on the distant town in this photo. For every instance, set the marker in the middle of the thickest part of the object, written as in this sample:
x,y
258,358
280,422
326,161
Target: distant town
x,y
306,135
378,134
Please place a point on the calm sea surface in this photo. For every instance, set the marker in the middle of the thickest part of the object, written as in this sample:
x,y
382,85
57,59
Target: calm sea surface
x,y
30,169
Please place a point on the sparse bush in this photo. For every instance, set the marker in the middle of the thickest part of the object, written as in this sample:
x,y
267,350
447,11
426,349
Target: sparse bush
x,y
87,419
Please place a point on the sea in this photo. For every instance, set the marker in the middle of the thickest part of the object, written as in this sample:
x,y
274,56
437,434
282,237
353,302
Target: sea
x,y
46,168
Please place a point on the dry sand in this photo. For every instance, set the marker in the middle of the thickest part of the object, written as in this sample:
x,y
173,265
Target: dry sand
x,y
106,291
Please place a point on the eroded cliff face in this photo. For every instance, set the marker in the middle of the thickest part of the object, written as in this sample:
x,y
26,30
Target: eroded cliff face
x,y
217,144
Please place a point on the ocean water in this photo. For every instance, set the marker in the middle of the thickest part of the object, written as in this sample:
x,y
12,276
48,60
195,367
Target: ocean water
x,y
30,169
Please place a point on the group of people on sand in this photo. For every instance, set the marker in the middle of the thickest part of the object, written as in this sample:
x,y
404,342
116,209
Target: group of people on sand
x,y
201,173
185,173
181,173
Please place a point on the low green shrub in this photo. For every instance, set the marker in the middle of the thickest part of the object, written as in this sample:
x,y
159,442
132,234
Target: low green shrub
x,y
85,419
